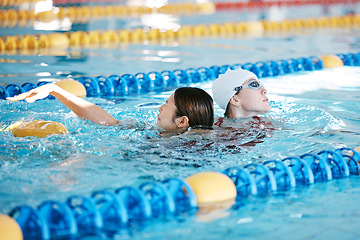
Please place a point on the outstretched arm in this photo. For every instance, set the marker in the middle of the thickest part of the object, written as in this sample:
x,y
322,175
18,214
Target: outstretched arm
x,y
79,106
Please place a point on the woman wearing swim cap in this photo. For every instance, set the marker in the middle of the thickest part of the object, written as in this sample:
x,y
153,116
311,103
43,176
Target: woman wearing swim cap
x,y
240,93
186,107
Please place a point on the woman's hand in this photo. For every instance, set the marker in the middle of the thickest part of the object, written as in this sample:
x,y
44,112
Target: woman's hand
x,y
34,94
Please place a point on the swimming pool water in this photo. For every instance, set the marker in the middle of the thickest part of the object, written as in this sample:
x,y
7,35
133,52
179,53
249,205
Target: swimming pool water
x,y
313,110
94,158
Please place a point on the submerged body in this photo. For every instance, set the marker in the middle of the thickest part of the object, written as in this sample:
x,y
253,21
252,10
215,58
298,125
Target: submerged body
x,y
227,135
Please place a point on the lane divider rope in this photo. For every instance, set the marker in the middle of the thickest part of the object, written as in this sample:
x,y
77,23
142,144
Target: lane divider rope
x,y
239,5
108,211
132,84
31,44
82,14
219,5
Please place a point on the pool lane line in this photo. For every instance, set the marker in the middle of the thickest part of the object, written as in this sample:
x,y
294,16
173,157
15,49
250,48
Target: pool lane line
x,y
240,5
32,44
11,18
155,82
108,211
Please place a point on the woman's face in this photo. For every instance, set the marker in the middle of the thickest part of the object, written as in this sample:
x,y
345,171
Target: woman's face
x,y
253,101
167,115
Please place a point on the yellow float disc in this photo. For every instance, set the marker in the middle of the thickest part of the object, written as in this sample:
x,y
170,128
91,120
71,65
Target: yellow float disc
x,y
58,40
28,42
2,45
94,37
153,34
46,16
124,36
212,187
109,37
255,28
184,31
9,228
206,8
357,149
37,128
200,31
72,86
331,61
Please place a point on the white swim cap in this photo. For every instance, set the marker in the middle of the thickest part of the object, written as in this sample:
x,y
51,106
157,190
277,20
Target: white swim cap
x,y
223,87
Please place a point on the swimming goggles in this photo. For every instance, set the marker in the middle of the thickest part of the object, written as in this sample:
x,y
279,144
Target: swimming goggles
x,y
253,84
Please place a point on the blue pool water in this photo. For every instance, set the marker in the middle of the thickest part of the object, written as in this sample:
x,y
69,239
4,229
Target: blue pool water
x,y
312,111
93,158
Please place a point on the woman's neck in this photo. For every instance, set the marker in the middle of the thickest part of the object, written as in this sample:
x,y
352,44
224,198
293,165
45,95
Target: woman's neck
x,y
236,113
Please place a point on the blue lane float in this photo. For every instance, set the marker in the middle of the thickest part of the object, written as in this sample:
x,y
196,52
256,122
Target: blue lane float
x,y
106,212
129,84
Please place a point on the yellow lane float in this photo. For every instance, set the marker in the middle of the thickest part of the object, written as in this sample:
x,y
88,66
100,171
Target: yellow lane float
x,y
94,38
2,45
200,30
72,86
83,39
255,28
79,39
47,16
11,43
28,42
36,128
183,32
212,187
109,36
215,194
357,149
58,40
9,228
124,36
206,8
152,35
331,61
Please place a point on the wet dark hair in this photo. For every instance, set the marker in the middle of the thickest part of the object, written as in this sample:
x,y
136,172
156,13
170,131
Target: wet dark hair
x,y
196,104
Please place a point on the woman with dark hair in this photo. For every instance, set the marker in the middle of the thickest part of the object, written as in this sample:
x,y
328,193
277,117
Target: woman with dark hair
x,y
186,107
